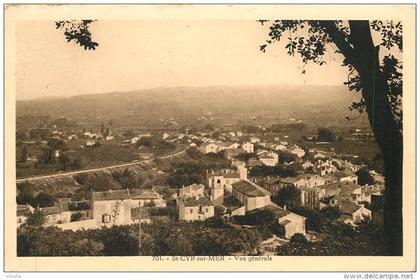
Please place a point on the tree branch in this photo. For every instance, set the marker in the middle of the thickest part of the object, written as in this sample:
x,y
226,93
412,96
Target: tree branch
x,y
339,39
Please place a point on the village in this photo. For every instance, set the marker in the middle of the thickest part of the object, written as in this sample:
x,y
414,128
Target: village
x,y
264,172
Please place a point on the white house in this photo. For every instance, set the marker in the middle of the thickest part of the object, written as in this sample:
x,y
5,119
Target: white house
x,y
254,139
206,148
195,209
352,213
147,197
299,152
248,147
111,207
280,147
192,191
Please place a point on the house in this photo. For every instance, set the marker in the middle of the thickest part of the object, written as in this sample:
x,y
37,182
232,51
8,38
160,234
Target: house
x,y
109,138
269,159
227,145
290,223
248,147
166,192
307,165
310,197
303,180
22,213
299,152
345,177
334,194
192,191
324,167
233,207
352,213
147,197
90,143
251,195
310,180
207,148
254,139
272,184
319,155
195,209
54,215
134,140
111,207
280,147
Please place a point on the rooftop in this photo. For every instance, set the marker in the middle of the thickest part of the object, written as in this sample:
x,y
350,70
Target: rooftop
x,y
145,194
249,188
23,210
191,202
51,210
348,207
110,195
230,202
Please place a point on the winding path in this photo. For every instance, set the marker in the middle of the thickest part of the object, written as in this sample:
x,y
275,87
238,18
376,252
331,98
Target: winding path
x,y
101,168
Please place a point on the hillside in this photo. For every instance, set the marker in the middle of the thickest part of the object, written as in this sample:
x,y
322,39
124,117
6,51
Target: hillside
x,y
194,101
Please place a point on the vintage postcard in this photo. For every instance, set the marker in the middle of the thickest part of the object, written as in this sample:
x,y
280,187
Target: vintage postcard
x,y
210,138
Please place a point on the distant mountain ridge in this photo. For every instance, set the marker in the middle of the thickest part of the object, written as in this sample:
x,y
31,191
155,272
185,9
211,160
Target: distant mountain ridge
x,y
193,100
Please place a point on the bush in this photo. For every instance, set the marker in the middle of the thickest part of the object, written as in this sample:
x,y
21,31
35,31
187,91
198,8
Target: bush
x,y
36,219
298,238
76,217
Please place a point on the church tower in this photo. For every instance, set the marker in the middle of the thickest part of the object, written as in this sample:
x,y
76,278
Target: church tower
x,y
217,189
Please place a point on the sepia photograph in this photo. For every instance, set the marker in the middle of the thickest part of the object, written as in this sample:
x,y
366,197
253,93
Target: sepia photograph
x,y
187,136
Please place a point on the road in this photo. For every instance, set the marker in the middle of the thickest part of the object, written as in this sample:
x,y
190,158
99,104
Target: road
x,y
100,169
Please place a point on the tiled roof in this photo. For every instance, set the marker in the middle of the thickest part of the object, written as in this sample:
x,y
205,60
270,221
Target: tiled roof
x,y
348,207
51,210
230,202
191,202
225,175
145,194
289,180
23,210
344,188
110,195
285,222
192,188
250,189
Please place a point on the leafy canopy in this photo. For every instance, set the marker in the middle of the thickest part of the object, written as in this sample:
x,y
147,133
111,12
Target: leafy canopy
x,y
314,40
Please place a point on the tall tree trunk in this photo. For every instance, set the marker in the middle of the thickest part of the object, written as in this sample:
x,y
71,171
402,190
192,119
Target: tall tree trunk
x,y
385,129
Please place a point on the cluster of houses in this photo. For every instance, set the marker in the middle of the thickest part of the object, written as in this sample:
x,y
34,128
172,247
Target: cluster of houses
x,y
229,191
323,180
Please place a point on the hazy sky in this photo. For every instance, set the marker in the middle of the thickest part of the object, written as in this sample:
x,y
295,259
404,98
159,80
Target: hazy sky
x,y
146,54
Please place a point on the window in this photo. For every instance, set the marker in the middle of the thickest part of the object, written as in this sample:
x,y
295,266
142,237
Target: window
x,y
106,218
207,210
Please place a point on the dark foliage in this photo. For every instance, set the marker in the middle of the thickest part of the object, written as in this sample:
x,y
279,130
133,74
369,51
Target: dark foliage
x,y
288,196
364,177
78,31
